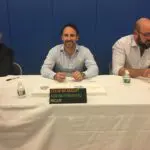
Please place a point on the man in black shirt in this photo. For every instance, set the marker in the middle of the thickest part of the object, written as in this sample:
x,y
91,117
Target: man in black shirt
x,y
6,60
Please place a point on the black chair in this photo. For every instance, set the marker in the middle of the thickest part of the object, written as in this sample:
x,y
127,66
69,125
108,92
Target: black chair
x,y
17,70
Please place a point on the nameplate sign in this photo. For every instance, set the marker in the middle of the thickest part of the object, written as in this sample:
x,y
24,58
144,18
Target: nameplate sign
x,y
68,95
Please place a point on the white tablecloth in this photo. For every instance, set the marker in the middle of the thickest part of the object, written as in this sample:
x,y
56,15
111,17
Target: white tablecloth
x,y
117,120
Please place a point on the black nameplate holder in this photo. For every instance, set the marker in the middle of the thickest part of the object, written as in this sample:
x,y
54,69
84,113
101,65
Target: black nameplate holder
x,y
67,95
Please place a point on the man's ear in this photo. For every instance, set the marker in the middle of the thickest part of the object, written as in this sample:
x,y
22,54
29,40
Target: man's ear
x,y
135,34
78,37
61,37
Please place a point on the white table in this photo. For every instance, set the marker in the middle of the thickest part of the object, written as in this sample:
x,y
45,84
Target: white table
x,y
118,120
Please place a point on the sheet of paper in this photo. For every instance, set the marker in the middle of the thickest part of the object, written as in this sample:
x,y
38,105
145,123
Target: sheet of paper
x,y
92,88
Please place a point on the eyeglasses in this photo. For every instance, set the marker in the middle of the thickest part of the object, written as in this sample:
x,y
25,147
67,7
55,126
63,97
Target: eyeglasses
x,y
146,34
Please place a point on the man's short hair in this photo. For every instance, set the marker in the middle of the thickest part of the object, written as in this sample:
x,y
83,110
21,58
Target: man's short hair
x,y
70,25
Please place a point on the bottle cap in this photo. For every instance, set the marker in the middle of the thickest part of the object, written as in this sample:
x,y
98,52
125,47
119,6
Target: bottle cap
x,y
127,72
126,77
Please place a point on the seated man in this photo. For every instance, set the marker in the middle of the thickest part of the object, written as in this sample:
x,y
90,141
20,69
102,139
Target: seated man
x,y
69,58
6,60
132,52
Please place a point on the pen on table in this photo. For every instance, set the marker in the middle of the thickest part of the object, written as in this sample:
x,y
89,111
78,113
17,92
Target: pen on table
x,y
9,79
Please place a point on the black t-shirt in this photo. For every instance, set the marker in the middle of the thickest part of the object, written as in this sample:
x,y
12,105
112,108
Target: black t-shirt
x,y
6,60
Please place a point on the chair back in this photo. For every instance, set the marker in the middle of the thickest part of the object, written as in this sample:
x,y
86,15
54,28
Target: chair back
x,y
17,70
110,68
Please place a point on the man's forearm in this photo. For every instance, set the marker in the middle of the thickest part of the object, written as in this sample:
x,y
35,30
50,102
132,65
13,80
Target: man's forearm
x,y
91,72
133,72
47,73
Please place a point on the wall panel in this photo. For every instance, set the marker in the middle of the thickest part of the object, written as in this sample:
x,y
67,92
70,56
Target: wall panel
x,y
31,32
31,27
114,19
4,22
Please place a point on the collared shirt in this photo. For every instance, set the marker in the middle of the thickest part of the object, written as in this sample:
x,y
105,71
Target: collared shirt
x,y
58,60
126,53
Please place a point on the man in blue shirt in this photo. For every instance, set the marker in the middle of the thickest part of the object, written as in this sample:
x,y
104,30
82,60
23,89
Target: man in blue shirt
x,y
69,58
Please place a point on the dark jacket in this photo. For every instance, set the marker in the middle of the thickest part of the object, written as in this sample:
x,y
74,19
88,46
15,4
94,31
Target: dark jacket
x,y
6,60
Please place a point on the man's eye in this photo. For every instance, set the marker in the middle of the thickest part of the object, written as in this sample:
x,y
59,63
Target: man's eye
x,y
66,35
72,35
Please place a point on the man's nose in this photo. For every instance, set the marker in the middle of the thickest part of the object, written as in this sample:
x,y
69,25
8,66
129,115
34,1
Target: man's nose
x,y
69,37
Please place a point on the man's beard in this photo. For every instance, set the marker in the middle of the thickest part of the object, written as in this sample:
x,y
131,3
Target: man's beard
x,y
69,44
143,45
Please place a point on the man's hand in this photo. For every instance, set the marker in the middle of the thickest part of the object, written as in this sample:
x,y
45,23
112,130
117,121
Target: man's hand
x,y
135,72
146,73
60,76
78,76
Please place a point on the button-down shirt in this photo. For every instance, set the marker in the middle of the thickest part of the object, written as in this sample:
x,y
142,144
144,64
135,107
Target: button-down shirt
x,y
58,60
126,53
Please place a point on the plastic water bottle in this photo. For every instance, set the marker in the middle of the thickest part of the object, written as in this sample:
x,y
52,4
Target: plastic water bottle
x,y
126,77
21,90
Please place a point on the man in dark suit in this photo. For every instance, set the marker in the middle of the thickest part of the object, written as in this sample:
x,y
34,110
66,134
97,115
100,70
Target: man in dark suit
x,y
6,60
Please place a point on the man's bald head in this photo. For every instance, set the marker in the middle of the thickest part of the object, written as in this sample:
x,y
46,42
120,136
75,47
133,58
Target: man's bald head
x,y
142,33
142,23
